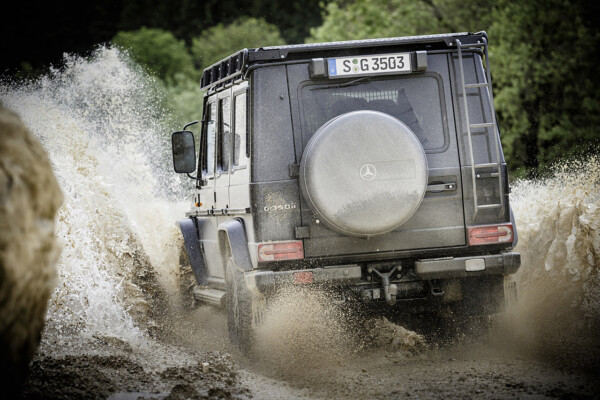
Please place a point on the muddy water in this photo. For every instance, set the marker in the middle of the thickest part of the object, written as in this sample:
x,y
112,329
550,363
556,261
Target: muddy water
x,y
96,120
116,328
558,313
100,121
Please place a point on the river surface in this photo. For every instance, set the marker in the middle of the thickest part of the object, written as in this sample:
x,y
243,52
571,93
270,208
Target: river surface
x,y
116,328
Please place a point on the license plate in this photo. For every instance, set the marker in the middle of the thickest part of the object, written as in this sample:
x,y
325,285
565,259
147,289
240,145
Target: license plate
x,y
369,65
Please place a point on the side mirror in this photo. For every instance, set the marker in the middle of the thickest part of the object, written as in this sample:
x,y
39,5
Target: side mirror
x,y
184,152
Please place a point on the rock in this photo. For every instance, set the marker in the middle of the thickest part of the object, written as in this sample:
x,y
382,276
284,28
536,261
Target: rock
x,y
29,199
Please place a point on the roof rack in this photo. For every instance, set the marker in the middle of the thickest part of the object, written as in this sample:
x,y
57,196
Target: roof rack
x,y
446,39
233,68
225,71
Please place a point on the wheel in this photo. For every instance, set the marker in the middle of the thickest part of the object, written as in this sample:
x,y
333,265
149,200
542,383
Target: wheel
x,y
238,303
472,317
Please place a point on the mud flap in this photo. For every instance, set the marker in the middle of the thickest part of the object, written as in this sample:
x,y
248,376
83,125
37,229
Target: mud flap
x,y
193,250
482,295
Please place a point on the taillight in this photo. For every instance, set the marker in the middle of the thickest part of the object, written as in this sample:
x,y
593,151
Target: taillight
x,y
278,251
490,234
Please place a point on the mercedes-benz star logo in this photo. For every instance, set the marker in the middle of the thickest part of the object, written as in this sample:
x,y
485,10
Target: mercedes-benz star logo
x,y
367,172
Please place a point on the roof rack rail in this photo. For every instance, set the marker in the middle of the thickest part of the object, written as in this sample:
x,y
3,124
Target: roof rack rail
x,y
232,69
225,71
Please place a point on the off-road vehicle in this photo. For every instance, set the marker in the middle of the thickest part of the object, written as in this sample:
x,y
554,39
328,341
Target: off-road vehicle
x,y
371,166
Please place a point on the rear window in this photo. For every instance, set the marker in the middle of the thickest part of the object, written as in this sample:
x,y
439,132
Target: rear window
x,y
416,101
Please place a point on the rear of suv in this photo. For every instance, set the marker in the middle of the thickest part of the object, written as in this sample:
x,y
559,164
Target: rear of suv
x,y
372,166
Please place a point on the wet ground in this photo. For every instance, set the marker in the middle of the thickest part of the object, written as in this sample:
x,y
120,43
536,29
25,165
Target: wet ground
x,y
195,361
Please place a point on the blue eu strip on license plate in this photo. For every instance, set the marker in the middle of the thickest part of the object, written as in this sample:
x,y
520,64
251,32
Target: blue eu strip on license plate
x,y
369,65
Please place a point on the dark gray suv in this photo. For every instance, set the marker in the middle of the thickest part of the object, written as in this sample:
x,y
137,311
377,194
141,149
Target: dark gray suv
x,y
372,166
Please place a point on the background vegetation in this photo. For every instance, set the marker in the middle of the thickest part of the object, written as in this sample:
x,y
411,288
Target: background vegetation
x,y
544,53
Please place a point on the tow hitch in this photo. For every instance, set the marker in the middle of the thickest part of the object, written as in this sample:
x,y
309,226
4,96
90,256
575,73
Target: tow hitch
x,y
389,290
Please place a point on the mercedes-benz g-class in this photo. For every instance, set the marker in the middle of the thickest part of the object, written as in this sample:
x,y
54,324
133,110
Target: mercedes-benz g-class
x,y
371,166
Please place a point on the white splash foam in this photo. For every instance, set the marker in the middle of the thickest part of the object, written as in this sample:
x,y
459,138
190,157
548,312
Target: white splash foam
x,y
99,118
558,222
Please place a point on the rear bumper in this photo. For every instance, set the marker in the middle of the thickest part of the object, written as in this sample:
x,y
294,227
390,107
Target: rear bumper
x,y
462,267
428,269
343,274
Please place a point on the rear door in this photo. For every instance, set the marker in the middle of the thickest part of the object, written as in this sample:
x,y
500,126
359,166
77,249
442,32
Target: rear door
x,y
423,102
239,175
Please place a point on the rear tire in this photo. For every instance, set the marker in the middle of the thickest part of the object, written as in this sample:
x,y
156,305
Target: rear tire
x,y
471,319
238,302
467,328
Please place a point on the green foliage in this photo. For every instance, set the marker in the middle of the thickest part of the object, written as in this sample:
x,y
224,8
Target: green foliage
x,y
545,68
158,51
361,19
221,40
364,19
162,55
183,98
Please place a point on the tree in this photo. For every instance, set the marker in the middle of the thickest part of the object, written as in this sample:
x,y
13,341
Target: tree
x,y
158,51
293,18
221,40
545,68
166,57
362,19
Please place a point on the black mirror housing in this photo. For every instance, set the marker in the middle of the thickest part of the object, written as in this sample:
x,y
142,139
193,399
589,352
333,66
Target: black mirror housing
x,y
184,152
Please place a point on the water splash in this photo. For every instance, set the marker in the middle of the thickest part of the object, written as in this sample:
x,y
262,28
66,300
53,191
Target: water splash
x,y
301,325
100,120
558,221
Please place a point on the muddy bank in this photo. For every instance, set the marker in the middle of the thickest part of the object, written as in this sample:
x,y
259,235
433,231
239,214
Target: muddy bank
x,y
112,376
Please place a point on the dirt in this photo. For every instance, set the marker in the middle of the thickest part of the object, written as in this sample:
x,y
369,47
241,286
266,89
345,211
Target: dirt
x,y
111,369
101,377
398,363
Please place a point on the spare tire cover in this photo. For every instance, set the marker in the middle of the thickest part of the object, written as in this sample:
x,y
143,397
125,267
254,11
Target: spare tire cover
x,y
363,173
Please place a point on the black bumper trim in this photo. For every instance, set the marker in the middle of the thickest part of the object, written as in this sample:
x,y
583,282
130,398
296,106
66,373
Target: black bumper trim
x,y
460,267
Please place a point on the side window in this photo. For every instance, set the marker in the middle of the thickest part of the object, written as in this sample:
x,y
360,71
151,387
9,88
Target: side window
x,y
224,147
240,159
208,160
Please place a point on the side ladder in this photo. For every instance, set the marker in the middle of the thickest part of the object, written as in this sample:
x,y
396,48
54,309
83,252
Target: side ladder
x,y
497,166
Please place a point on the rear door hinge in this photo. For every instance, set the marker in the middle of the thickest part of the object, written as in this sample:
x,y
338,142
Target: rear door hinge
x,y
294,170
